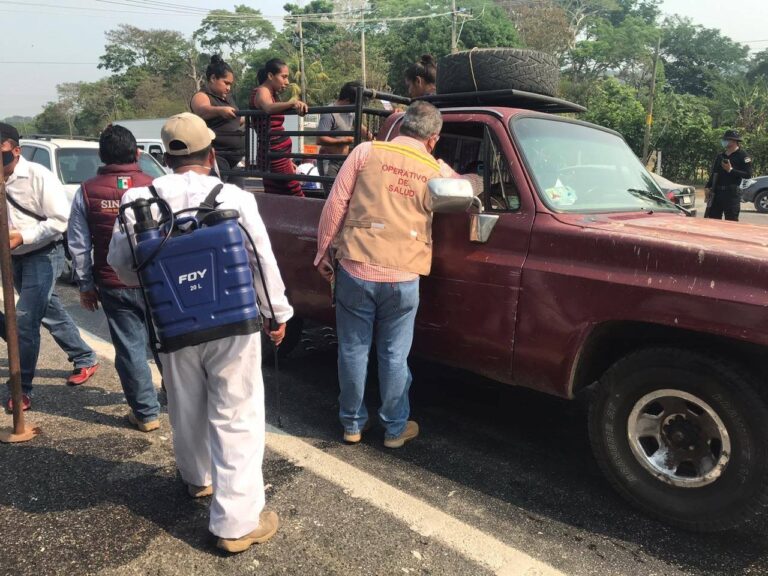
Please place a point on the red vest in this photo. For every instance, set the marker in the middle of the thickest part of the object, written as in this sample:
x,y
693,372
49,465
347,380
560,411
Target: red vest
x,y
102,195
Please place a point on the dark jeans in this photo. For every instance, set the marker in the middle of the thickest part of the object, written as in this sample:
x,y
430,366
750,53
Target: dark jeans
x,y
34,277
726,202
126,317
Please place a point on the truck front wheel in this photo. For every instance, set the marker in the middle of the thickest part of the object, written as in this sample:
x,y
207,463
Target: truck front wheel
x,y
684,437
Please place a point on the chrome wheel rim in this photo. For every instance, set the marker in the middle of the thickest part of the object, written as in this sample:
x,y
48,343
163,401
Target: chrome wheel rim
x,y
763,202
678,438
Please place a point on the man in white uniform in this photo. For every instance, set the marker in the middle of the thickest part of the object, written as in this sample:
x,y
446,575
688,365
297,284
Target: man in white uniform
x,y
215,389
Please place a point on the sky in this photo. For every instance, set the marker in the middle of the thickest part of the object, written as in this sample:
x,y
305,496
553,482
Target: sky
x,y
47,42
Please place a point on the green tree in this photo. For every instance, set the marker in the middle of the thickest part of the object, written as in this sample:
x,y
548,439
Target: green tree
x,y
237,33
697,58
624,49
683,132
616,106
402,42
758,66
24,124
53,119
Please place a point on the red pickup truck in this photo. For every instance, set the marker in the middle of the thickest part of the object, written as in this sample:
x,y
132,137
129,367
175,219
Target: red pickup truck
x,y
580,277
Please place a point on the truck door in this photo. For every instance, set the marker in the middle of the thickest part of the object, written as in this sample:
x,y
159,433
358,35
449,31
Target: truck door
x,y
469,301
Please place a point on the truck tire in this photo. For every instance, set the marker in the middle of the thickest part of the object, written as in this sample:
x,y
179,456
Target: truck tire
x,y
498,69
293,331
684,437
761,202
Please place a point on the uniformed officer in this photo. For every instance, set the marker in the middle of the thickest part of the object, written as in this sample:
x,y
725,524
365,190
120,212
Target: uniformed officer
x,y
728,169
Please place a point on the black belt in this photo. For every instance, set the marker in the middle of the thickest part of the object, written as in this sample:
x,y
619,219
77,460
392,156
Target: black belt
x,y
45,248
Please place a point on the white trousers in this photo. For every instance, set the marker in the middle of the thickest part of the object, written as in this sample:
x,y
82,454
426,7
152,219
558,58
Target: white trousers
x,y
216,407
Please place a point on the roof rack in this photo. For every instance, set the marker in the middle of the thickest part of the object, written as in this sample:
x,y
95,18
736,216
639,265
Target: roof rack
x,y
59,137
510,98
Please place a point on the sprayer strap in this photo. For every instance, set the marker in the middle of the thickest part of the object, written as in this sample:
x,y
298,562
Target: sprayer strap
x,y
12,201
209,203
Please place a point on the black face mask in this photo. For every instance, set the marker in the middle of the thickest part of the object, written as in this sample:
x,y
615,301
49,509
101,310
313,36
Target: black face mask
x,y
8,157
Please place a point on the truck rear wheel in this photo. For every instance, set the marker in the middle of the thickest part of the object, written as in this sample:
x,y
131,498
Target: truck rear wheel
x,y
498,69
684,437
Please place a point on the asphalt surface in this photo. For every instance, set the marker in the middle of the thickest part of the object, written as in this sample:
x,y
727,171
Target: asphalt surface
x,y
504,470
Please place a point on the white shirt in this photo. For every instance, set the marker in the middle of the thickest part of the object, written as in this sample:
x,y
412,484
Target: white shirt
x,y
189,190
38,190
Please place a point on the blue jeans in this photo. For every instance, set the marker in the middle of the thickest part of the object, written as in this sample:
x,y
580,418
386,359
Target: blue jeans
x,y
384,312
127,320
34,277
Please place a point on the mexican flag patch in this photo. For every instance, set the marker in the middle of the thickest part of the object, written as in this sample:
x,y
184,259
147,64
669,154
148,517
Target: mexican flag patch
x,y
124,182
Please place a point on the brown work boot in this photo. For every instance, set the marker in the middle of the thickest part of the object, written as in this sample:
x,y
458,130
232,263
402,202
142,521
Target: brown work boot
x,y
410,432
268,523
199,491
147,426
355,438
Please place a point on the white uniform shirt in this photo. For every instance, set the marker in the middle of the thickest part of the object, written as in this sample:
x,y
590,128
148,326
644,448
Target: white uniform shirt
x,y
38,190
189,190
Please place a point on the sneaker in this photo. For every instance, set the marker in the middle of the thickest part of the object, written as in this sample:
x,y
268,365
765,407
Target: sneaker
x,y
357,436
410,432
81,375
26,404
199,491
268,523
141,425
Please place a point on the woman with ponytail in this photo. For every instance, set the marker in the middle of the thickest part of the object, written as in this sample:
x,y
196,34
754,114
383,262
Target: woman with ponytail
x,y
421,77
273,79
214,104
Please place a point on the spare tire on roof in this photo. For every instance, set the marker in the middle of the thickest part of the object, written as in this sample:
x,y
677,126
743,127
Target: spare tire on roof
x,y
484,69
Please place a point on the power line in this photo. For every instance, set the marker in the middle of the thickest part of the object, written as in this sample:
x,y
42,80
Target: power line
x,y
46,62
159,6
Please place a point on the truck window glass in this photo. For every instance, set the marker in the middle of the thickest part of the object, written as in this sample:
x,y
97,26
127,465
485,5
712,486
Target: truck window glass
x,y
579,168
468,147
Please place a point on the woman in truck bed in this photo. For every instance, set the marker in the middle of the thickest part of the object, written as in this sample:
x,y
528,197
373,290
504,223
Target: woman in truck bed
x,y
215,104
273,79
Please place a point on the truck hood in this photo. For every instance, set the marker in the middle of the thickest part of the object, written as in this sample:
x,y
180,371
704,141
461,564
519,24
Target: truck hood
x,y
711,236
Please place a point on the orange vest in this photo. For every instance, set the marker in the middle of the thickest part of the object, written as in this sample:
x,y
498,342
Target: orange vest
x,y
389,219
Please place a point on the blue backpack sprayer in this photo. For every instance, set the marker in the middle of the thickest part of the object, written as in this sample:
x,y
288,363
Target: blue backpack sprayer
x,y
195,274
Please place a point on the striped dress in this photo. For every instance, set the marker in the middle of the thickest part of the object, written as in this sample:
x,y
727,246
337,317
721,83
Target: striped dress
x,y
279,143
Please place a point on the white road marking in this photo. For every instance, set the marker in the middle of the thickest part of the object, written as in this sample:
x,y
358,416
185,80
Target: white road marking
x,y
474,544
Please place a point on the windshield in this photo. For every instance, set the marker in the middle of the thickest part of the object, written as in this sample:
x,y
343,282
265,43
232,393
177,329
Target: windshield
x,y
76,165
577,168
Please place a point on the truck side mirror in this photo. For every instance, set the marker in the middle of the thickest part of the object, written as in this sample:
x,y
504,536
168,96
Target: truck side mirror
x,y
451,195
481,226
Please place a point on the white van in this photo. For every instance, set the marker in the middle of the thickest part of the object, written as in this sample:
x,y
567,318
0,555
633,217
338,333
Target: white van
x,y
153,147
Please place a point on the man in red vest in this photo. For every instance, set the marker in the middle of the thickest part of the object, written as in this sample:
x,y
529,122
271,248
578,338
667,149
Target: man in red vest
x,y
93,215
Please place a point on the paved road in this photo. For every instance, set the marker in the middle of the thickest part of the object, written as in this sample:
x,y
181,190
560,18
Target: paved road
x,y
501,481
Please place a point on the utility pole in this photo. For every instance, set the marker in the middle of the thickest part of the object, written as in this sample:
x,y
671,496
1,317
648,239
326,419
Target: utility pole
x,y
649,115
301,63
362,43
302,80
454,17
